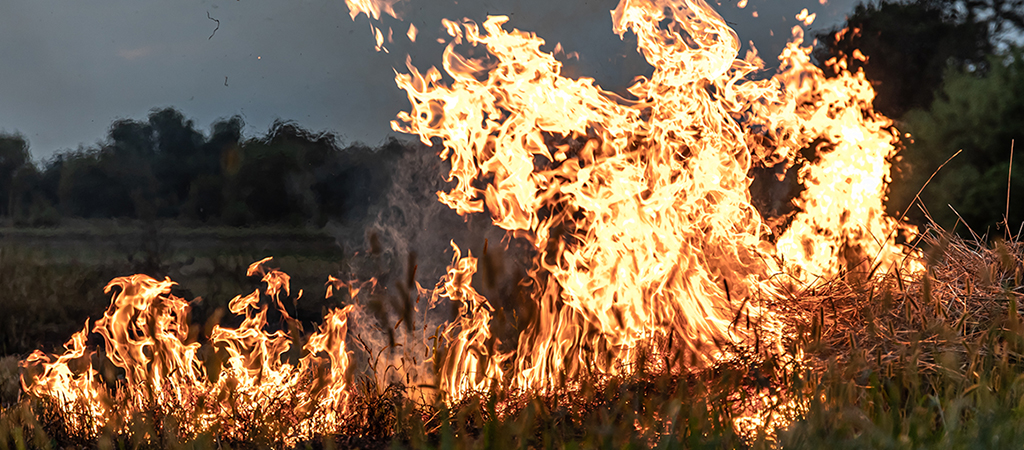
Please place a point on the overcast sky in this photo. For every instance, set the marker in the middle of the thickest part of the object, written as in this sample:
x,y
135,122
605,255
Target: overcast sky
x,y
69,68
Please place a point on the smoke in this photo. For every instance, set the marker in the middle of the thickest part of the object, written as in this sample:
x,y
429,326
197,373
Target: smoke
x,y
401,251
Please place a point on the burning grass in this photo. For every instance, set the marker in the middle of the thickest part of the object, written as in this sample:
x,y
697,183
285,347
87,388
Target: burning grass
x,y
646,409
926,362
660,307
930,363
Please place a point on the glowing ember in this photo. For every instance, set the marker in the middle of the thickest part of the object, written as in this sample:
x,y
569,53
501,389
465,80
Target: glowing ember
x,y
639,210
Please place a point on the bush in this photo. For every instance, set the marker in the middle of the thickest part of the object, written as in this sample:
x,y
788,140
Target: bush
x,y
980,113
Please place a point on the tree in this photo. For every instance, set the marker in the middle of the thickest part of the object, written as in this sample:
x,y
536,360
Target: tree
x,y
164,168
349,184
1005,17
905,48
131,139
946,71
179,158
97,183
271,183
219,154
31,201
980,114
14,155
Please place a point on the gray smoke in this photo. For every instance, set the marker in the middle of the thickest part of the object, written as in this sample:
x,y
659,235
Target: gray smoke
x,y
405,245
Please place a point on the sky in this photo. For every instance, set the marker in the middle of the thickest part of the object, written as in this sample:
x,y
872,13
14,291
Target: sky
x,y
69,69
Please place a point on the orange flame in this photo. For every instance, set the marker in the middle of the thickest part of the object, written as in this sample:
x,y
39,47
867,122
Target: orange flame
x,y
639,210
472,363
147,335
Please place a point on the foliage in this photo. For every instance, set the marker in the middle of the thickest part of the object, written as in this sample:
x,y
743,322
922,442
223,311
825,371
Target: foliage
x,y
982,116
1006,17
949,74
906,48
14,155
164,168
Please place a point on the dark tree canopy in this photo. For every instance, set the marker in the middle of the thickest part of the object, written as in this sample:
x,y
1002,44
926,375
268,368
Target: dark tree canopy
x,y
163,167
949,73
982,115
1005,17
907,46
14,155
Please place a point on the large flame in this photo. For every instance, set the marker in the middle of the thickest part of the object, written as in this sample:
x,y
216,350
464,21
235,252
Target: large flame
x,y
639,210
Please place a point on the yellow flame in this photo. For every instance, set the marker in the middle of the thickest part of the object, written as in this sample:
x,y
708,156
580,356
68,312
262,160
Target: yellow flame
x,y
806,18
472,363
638,208
412,33
147,335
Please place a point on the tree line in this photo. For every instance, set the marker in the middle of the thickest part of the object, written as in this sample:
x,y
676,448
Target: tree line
x,y
949,72
164,168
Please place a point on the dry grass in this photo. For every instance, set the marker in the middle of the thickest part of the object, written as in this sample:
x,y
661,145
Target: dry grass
x,y
9,385
928,362
898,362
969,291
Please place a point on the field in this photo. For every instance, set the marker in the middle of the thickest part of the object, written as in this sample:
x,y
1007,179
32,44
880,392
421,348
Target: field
x,y
932,362
54,277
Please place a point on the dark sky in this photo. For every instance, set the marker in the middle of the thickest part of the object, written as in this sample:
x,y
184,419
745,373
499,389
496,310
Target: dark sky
x,y
68,69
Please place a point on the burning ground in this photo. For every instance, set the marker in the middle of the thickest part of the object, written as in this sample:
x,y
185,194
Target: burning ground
x,y
655,304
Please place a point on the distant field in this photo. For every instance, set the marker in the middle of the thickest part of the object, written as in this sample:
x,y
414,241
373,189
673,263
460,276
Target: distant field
x,y
52,279
103,241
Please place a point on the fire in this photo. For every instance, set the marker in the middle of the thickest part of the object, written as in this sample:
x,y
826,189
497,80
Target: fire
x,y
146,333
473,363
638,208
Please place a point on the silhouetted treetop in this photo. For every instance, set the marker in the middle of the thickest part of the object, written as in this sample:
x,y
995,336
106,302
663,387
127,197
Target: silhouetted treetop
x,y
908,46
163,167
14,155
